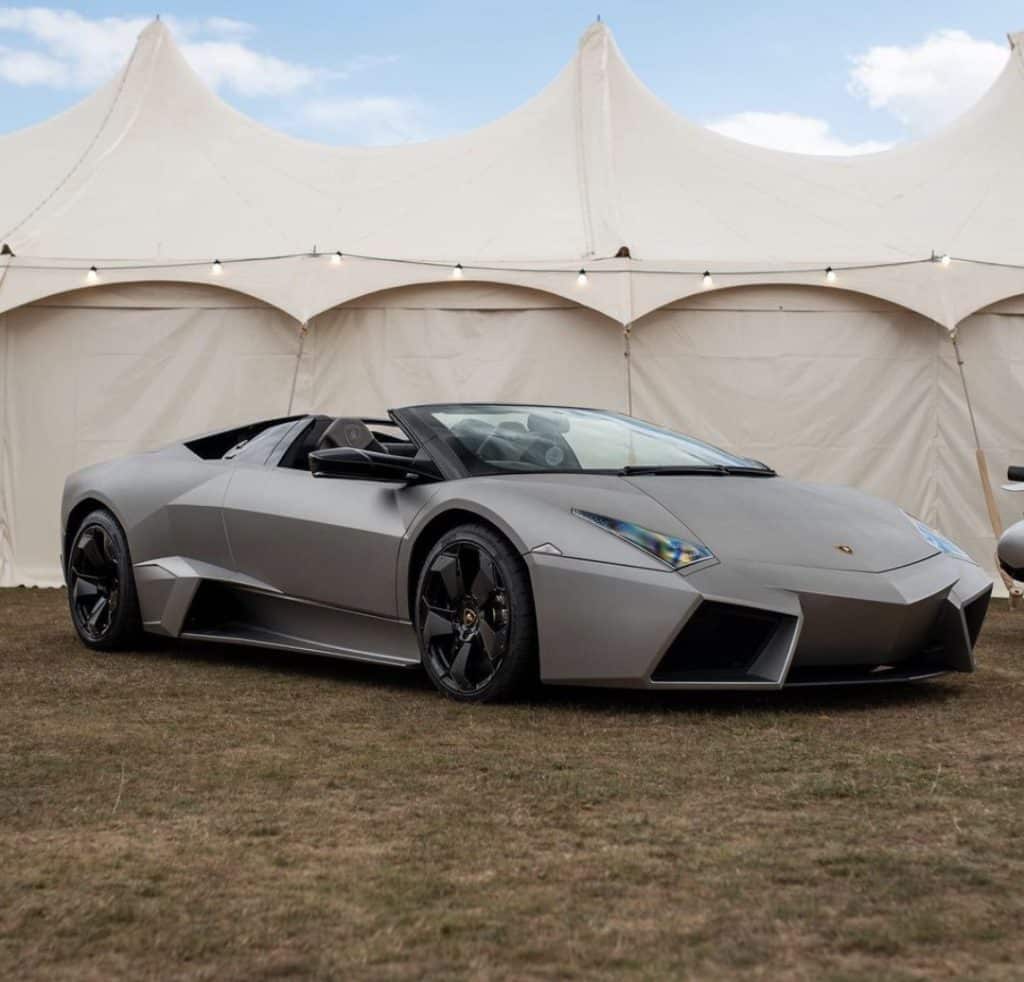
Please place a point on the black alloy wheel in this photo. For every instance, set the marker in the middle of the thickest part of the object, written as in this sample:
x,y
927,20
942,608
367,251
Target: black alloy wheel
x,y
475,616
101,590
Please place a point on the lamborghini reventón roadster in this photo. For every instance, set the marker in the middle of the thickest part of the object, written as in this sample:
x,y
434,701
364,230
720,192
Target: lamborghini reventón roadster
x,y
498,545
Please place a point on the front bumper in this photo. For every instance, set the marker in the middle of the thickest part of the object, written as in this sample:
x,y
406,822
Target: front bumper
x,y
754,625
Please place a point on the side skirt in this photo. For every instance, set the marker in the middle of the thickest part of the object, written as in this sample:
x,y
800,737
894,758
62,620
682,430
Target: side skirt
x,y
180,600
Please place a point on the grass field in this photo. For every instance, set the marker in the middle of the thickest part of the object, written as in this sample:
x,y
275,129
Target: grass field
x,y
216,813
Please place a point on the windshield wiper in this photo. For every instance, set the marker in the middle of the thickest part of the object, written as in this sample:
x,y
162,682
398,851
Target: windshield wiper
x,y
719,470
634,471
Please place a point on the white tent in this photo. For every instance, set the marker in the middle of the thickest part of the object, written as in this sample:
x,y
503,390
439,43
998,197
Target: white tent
x,y
118,331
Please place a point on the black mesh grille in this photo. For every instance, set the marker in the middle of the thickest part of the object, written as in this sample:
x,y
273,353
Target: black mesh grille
x,y
719,642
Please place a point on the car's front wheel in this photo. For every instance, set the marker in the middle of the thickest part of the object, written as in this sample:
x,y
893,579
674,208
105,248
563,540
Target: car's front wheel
x,y
101,584
475,617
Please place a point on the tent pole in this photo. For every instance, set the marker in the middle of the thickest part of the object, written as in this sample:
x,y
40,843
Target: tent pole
x,y
303,331
986,481
627,341
626,332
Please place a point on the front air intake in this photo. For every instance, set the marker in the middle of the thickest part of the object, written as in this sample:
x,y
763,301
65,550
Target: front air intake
x,y
974,615
719,643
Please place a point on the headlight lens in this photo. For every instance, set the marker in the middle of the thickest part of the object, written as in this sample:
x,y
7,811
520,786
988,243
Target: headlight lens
x,y
673,552
938,540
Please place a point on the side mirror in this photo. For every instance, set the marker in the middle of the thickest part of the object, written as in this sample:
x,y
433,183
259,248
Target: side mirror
x,y
370,465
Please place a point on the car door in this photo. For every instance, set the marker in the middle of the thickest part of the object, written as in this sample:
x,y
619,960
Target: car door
x,y
330,540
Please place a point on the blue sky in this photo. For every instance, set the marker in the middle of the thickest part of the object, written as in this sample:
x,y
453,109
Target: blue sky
x,y
806,76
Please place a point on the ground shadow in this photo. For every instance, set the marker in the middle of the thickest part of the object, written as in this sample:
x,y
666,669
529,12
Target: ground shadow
x,y
835,699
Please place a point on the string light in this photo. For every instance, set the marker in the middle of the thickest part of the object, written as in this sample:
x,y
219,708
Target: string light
x,y
336,259
581,280
51,264
830,275
92,276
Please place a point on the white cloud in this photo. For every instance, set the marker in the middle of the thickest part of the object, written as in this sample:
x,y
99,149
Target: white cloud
x,y
373,120
70,51
923,86
792,132
30,68
233,65
927,84
227,27
65,50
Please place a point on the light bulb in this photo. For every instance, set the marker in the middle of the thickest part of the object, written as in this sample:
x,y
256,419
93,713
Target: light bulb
x,y
830,275
336,259
457,272
707,282
945,259
92,276
581,280
216,269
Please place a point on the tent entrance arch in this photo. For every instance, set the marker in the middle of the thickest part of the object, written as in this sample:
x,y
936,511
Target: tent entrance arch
x,y
104,371
468,341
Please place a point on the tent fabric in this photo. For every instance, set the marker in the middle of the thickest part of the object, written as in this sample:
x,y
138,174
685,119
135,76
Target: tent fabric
x,y
116,373
153,177
824,386
413,346
154,168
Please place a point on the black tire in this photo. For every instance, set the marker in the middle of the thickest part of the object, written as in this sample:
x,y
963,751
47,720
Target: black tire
x,y
474,617
101,585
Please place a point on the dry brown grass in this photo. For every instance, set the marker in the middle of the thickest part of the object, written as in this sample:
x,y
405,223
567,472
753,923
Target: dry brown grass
x,y
214,813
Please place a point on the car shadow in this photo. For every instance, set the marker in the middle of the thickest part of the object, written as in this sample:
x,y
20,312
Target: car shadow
x,y
834,699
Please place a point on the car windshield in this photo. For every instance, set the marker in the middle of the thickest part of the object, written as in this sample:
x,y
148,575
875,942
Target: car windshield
x,y
492,439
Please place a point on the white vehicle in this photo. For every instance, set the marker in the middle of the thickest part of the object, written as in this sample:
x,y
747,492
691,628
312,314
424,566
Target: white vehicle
x,y
1011,543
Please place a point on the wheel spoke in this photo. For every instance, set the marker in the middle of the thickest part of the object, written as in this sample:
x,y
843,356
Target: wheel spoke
x,y
83,590
96,613
447,570
436,627
92,578
489,639
109,550
469,565
92,552
459,663
484,583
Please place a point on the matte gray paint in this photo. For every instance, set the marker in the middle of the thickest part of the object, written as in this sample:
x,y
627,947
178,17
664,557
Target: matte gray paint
x,y
324,565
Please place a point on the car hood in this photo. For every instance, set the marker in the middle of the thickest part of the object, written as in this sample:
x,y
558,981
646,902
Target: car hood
x,y
772,520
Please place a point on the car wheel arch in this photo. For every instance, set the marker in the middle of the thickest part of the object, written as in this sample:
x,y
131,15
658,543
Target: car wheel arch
x,y
78,514
432,530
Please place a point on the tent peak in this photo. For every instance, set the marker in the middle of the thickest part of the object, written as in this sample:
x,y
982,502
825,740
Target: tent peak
x,y
156,28
1016,39
598,30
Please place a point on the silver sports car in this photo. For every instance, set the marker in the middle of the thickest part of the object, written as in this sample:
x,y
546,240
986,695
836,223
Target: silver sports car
x,y
498,545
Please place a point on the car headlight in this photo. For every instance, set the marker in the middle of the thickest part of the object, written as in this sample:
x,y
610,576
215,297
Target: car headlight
x,y
674,552
939,541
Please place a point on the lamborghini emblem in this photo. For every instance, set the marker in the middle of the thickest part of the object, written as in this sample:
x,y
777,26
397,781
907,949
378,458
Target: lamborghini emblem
x,y
847,550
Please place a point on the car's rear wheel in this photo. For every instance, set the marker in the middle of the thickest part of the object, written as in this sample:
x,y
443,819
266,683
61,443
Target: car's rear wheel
x,y
475,617
101,585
